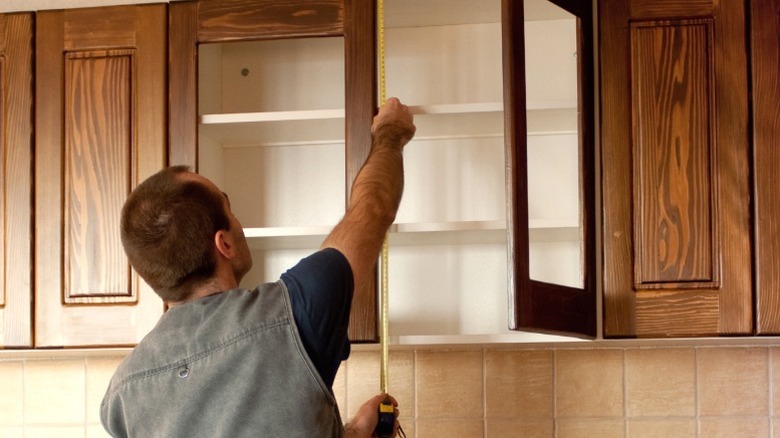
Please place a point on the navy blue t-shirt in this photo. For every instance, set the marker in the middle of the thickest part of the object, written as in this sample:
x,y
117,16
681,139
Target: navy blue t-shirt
x,y
321,287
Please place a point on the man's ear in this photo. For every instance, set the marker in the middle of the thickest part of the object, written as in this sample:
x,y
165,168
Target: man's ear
x,y
224,244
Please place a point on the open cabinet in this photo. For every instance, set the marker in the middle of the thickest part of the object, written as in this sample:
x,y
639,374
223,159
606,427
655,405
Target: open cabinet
x,y
495,231
275,106
259,90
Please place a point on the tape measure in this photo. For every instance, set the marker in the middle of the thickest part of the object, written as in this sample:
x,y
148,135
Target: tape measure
x,y
384,427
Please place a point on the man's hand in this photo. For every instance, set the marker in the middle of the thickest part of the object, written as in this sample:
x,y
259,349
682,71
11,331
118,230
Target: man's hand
x,y
393,123
364,422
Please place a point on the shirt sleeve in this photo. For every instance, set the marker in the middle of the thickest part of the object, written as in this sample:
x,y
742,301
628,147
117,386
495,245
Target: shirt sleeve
x,y
320,288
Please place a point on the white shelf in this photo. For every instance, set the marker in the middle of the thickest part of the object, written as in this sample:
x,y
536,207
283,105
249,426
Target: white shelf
x,y
499,338
271,116
463,232
338,113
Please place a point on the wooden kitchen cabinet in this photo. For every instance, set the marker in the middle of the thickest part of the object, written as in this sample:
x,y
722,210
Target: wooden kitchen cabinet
x,y
16,142
100,130
259,109
258,93
675,169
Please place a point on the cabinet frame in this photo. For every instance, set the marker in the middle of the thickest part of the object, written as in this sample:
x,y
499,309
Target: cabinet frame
x,y
211,21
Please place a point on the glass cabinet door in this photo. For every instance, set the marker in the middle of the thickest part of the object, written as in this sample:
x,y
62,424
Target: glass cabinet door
x,y
550,147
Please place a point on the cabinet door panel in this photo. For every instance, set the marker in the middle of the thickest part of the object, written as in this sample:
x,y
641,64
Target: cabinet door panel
x,y
674,155
16,94
100,113
677,256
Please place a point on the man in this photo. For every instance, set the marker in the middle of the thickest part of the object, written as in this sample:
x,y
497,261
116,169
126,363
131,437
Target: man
x,y
229,362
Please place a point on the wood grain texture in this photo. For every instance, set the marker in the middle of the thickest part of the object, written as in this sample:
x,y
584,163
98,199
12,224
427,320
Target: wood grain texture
x,y
674,155
240,20
16,182
183,85
765,45
723,195
100,117
99,143
616,179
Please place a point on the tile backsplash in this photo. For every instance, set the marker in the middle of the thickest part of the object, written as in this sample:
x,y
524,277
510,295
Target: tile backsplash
x,y
475,391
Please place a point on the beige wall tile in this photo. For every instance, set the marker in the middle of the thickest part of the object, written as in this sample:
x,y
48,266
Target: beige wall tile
x,y
660,382
520,428
54,392
438,428
661,428
12,431
363,380
96,431
401,383
775,374
733,381
734,427
54,431
409,427
340,389
519,384
589,383
590,428
99,372
449,384
11,393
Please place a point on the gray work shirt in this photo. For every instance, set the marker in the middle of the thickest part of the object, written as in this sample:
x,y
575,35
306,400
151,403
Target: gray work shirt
x,y
227,365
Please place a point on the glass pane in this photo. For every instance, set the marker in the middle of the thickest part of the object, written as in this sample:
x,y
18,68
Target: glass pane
x,y
554,192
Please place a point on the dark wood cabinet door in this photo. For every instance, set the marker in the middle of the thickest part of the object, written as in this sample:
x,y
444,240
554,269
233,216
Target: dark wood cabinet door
x,y
213,21
675,168
765,67
16,137
100,130
540,306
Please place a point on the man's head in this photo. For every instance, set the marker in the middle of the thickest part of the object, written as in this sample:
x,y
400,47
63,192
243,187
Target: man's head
x,y
170,227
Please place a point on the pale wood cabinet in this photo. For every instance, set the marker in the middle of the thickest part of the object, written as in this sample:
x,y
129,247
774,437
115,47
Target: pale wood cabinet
x,y
16,141
100,129
675,160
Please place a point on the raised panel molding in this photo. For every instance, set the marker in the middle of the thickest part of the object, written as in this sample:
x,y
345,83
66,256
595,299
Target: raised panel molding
x,y
99,150
674,155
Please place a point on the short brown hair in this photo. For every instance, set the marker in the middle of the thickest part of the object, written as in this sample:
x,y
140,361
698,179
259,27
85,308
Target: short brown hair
x,y
167,226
